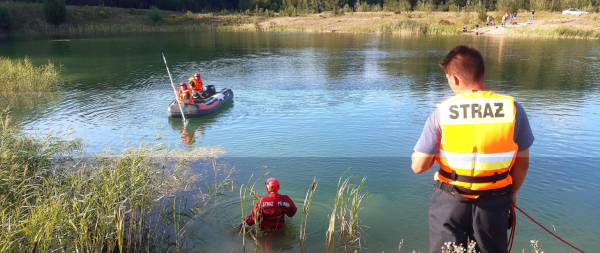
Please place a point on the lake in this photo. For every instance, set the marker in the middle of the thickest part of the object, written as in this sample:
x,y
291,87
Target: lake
x,y
313,105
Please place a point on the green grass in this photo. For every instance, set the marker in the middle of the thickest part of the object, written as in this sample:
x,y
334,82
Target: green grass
x,y
22,76
53,199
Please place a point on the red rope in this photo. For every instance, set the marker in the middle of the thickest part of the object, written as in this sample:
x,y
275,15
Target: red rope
x,y
512,233
276,224
513,226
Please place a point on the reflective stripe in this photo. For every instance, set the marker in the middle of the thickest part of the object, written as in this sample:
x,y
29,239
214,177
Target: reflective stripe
x,y
478,161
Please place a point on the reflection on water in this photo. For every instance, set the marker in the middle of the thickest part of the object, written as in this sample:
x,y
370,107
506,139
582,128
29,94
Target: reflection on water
x,y
315,104
196,127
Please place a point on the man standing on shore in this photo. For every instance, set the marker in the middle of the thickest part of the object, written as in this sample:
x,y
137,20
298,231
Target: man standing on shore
x,y
481,142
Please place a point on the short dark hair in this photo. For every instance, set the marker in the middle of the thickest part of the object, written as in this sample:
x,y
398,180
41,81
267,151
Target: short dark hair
x,y
464,61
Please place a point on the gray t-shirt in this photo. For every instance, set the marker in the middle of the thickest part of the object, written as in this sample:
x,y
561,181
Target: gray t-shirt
x,y
429,142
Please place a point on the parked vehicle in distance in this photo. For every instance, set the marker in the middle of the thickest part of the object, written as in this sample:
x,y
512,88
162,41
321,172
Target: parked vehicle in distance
x,y
574,11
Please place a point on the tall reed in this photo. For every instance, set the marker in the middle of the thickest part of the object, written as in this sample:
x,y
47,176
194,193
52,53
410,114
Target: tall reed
x,y
306,208
248,197
22,76
344,220
53,199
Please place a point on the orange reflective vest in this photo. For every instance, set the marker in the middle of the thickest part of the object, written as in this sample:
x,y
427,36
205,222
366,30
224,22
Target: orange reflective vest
x,y
477,148
183,94
196,84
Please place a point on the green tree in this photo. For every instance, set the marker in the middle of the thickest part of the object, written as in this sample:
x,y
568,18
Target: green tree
x,y
55,11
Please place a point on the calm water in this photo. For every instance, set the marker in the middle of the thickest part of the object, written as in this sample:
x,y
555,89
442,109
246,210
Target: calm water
x,y
316,104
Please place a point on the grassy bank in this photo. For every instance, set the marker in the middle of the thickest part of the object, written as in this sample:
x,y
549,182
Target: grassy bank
x,y
27,20
53,199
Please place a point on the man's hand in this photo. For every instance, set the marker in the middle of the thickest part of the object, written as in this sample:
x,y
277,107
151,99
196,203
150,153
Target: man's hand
x,y
513,198
518,173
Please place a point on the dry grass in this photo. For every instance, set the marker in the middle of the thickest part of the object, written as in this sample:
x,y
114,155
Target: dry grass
x,y
54,200
22,76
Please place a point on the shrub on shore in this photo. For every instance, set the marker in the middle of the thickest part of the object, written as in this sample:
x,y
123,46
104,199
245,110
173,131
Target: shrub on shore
x,y
23,76
154,14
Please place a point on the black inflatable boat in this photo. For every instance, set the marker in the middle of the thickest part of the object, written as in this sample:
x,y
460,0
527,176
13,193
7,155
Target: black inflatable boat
x,y
202,106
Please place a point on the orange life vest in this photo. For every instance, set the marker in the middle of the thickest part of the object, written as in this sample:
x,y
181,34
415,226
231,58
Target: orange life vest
x,y
477,148
183,94
196,84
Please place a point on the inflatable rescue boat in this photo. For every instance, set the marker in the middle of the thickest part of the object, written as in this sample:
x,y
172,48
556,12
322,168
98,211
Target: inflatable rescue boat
x,y
210,102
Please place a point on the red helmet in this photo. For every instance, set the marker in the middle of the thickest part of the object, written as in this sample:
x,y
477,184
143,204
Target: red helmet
x,y
272,185
197,75
183,84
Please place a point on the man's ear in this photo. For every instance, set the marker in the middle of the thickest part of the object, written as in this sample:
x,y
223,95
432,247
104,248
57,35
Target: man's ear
x,y
456,81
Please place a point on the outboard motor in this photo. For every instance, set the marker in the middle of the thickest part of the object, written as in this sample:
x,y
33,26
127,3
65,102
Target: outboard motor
x,y
210,90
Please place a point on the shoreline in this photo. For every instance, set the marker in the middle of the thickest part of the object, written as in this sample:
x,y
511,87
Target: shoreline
x,y
90,20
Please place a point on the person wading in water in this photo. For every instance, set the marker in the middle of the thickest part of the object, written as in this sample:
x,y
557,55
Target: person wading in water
x,y
269,210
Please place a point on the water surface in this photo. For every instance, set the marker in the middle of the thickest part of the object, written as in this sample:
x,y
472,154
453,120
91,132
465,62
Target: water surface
x,y
316,104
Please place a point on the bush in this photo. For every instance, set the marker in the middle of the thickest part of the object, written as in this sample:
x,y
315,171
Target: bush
x,y
444,22
154,14
482,14
362,6
101,11
507,6
337,11
4,19
424,5
55,11
396,6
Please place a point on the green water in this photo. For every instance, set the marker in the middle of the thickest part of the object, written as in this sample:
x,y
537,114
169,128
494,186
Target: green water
x,y
316,104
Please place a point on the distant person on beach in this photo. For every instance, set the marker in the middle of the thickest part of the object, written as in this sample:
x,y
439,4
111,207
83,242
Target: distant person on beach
x,y
481,141
504,20
532,14
515,19
269,210
487,22
510,19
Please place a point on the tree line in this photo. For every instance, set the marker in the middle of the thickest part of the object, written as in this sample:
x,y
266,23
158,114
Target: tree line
x,y
297,7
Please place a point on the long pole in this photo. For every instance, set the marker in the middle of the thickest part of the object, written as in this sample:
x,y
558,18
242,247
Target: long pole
x,y
174,89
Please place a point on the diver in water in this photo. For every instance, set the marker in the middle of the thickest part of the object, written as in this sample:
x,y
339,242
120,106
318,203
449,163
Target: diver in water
x,y
269,210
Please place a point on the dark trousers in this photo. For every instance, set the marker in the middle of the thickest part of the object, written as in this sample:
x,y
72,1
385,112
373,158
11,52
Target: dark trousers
x,y
453,218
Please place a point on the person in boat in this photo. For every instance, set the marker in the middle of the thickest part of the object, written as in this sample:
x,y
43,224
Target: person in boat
x,y
481,142
269,210
196,85
185,94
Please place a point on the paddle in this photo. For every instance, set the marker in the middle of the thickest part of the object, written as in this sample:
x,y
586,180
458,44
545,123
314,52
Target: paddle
x,y
175,91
